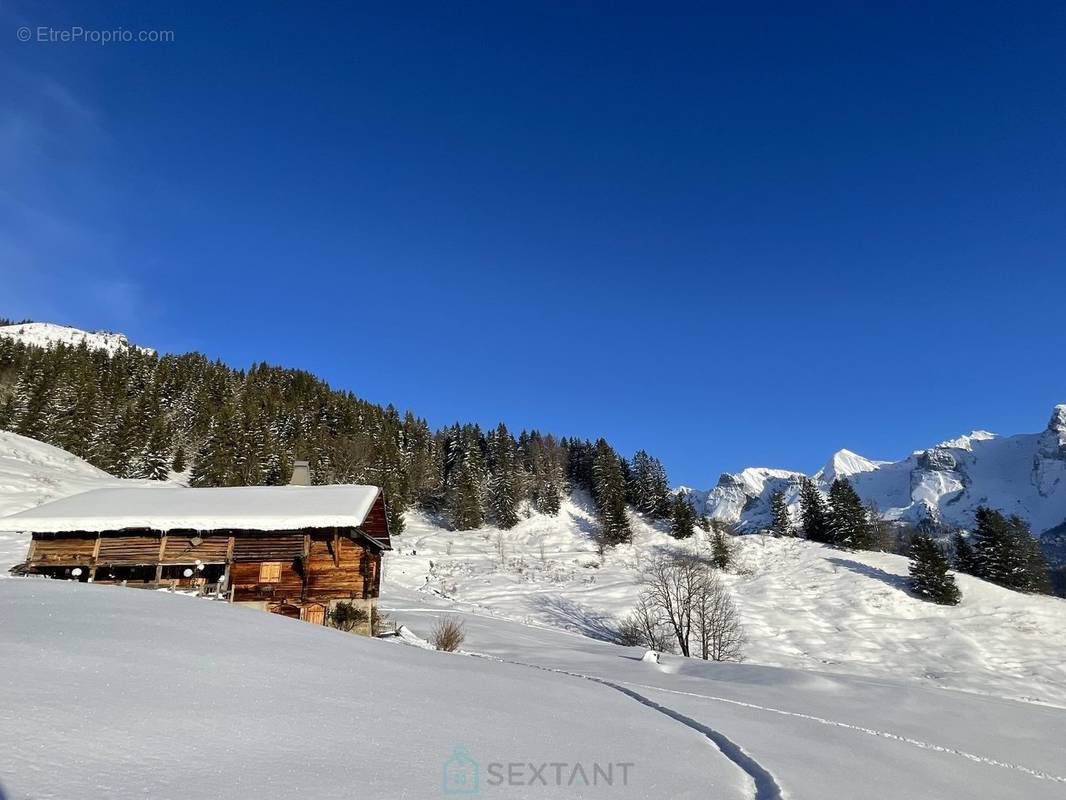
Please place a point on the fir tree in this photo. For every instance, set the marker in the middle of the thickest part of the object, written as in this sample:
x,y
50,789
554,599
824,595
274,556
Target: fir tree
x,y
503,489
215,463
683,516
610,496
1007,554
467,483
648,488
814,515
849,526
965,556
153,460
929,572
781,518
721,550
179,463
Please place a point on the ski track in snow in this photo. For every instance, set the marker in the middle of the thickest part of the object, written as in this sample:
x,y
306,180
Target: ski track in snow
x,y
765,786
761,777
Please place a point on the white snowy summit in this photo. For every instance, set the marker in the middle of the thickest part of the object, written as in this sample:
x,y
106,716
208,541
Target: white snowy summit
x,y
48,334
1023,474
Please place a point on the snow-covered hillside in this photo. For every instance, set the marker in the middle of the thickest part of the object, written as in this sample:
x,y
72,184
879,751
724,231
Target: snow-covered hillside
x,y
804,605
46,334
1023,474
32,473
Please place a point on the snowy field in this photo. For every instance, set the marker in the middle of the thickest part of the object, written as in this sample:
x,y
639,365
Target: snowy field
x,y
125,693
804,605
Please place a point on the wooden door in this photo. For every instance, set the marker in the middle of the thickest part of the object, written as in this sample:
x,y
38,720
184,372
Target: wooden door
x,y
315,614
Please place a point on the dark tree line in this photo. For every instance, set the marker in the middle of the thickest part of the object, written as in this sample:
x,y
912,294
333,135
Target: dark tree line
x,y
139,415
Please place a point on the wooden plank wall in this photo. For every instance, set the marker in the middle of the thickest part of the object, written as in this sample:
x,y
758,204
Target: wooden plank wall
x,y
376,524
72,549
316,566
281,546
181,550
129,550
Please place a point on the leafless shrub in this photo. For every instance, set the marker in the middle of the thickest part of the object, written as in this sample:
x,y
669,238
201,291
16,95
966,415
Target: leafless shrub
x,y
380,622
448,634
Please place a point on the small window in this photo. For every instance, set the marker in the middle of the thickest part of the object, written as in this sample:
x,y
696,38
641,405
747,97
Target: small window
x,y
270,572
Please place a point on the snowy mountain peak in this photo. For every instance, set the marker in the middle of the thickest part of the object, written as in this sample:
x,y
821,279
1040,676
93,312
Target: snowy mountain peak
x,y
48,334
843,464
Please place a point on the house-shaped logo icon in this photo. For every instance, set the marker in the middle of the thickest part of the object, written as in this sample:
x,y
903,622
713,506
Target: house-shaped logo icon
x,y
461,774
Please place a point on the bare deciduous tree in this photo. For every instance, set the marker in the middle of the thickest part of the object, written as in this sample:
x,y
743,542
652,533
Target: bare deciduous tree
x,y
685,597
645,628
717,622
669,587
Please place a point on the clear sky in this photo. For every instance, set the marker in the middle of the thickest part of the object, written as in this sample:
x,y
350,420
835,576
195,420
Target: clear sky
x,y
731,239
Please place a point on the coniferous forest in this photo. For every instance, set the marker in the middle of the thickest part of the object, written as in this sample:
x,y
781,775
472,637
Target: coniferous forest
x,y
138,414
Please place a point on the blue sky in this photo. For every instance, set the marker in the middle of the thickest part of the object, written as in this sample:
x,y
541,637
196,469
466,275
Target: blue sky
x,y
730,239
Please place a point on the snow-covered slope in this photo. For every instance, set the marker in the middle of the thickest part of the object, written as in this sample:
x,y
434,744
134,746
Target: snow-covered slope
x,y
804,605
1023,474
46,334
32,473
125,693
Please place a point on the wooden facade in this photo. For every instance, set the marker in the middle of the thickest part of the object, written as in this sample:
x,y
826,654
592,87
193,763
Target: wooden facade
x,y
299,573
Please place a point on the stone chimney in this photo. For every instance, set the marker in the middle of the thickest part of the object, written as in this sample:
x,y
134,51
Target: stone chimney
x,y
301,474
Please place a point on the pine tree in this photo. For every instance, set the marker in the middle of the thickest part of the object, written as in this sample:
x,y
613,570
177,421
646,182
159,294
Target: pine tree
x,y
648,488
781,518
124,453
683,516
721,550
814,515
929,572
179,463
503,489
848,526
965,556
152,463
1007,554
216,458
467,482
610,496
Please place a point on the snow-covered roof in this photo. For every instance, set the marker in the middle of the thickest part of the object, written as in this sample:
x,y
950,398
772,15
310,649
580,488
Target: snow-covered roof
x,y
265,508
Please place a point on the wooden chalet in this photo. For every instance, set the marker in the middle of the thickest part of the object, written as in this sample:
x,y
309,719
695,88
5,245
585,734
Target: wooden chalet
x,y
291,550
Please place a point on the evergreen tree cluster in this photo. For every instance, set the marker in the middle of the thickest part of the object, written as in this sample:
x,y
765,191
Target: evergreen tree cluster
x,y
842,521
137,414
1003,551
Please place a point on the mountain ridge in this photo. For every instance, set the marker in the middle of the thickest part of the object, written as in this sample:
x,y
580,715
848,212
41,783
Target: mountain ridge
x,y
1023,474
